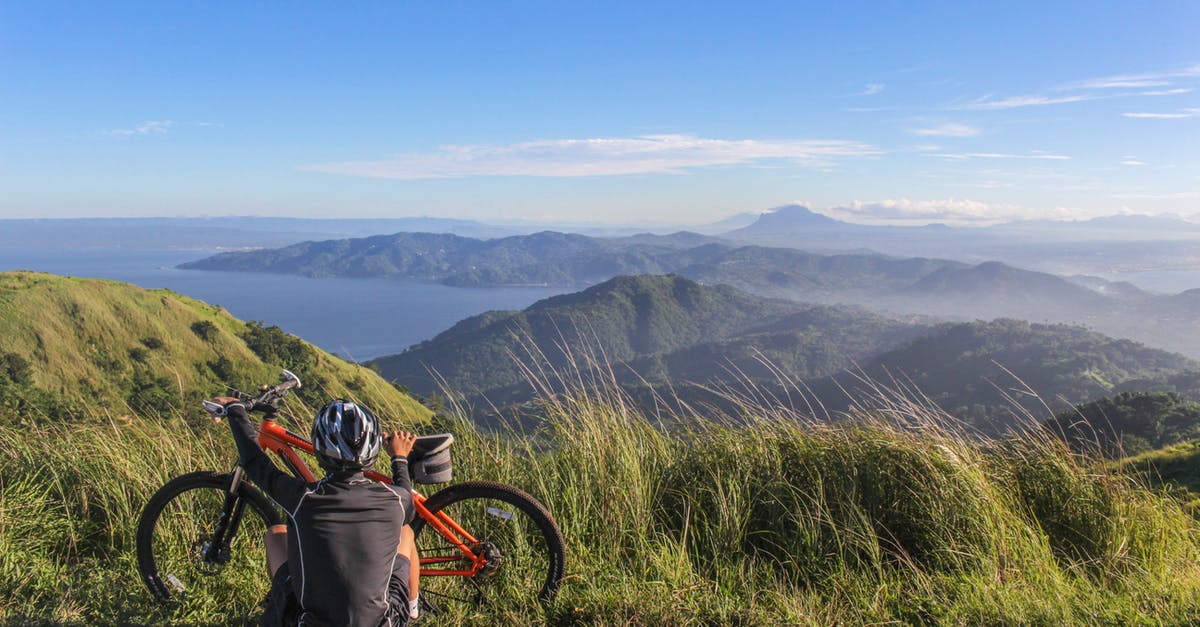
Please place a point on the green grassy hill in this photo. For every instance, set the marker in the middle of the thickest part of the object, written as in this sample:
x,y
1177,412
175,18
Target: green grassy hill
x,y
892,518
995,374
766,517
623,318
73,349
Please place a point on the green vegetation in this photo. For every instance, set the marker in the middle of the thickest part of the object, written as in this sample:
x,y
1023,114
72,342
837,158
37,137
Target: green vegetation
x,y
1129,423
658,329
684,339
1175,467
893,516
627,316
570,259
993,374
87,349
758,512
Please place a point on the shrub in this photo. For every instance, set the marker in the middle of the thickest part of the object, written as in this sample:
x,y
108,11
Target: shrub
x,y
204,330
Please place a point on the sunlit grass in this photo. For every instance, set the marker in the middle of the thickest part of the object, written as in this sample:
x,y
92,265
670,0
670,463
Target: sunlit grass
x,y
765,514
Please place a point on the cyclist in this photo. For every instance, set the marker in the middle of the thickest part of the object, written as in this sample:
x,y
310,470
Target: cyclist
x,y
347,555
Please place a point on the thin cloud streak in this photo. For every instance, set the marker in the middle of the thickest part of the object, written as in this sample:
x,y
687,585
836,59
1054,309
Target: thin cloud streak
x,y
649,154
950,129
1182,113
871,89
149,127
1091,89
1156,196
988,104
1149,79
963,156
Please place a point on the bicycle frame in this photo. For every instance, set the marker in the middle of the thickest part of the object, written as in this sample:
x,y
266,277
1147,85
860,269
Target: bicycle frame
x,y
274,437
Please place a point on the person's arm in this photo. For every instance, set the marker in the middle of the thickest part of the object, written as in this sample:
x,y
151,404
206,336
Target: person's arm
x,y
399,445
280,486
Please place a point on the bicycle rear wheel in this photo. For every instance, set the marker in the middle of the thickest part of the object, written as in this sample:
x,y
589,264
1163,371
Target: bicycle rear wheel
x,y
518,537
199,544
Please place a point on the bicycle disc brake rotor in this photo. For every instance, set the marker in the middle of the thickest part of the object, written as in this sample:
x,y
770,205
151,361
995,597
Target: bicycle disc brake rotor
x,y
200,549
492,557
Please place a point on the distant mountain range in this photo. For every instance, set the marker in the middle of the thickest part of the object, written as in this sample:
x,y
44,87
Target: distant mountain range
x,y
932,287
686,339
1096,246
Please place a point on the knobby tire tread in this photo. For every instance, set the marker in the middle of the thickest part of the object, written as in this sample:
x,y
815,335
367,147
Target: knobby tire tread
x,y
526,503
147,565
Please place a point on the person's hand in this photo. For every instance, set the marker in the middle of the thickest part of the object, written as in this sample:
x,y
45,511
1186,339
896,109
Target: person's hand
x,y
400,443
224,401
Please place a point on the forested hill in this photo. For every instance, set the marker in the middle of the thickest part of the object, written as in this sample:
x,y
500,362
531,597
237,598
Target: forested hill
x,y
660,328
541,258
566,259
889,285
89,348
620,319
682,338
976,371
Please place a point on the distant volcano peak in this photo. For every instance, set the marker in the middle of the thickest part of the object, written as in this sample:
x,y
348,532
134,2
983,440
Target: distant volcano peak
x,y
790,218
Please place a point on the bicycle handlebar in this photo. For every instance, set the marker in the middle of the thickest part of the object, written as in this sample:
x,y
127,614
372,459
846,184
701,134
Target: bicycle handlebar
x,y
267,400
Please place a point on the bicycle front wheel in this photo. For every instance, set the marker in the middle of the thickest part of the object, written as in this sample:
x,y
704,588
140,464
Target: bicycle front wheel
x,y
198,543
517,537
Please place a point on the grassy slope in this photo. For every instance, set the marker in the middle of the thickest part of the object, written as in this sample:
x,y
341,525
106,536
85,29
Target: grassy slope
x,y
111,349
781,520
1177,466
628,316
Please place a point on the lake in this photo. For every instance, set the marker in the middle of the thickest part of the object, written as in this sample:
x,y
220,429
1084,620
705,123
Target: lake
x,y
359,319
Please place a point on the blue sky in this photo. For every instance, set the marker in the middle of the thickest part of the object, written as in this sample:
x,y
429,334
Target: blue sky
x,y
600,112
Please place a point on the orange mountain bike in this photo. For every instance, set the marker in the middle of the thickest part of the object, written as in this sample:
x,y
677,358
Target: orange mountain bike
x,y
479,541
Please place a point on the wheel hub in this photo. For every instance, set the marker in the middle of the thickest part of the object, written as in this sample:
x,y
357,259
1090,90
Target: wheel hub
x,y
492,558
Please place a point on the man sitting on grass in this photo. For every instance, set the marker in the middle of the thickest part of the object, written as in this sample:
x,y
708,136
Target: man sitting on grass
x,y
346,555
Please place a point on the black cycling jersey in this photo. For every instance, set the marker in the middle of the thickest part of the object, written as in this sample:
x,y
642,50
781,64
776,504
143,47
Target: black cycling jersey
x,y
343,532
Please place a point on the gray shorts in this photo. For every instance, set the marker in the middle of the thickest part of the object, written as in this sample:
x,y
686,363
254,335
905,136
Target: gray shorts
x,y
283,608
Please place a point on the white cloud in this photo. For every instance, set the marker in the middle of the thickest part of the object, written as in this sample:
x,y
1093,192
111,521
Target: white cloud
x,y
871,89
1167,92
1182,113
1133,162
1157,196
987,103
949,129
149,127
951,210
963,156
1091,89
1121,83
1149,79
649,154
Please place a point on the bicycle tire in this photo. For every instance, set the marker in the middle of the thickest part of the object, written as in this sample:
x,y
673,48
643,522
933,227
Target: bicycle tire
x,y
475,506
174,542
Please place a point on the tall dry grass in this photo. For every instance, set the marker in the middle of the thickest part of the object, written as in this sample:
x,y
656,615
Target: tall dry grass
x,y
764,512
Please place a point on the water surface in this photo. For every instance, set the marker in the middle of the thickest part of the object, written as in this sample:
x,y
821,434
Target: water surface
x,y
358,319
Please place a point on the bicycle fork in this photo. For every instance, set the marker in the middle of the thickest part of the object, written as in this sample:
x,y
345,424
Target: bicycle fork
x,y
216,550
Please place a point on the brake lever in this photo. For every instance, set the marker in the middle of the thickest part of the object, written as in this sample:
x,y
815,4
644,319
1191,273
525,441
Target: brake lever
x,y
216,409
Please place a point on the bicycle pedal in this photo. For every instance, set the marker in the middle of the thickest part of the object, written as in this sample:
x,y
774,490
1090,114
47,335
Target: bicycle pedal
x,y
427,606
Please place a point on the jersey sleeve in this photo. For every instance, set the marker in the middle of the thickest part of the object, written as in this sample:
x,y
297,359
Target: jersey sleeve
x,y
402,486
283,488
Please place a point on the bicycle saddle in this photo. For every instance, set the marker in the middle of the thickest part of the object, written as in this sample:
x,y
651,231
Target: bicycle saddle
x,y
427,445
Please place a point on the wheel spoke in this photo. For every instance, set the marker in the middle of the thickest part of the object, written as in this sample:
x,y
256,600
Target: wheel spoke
x,y
176,551
519,545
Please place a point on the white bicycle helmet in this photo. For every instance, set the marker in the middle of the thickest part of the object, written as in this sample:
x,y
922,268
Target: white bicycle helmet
x,y
346,436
